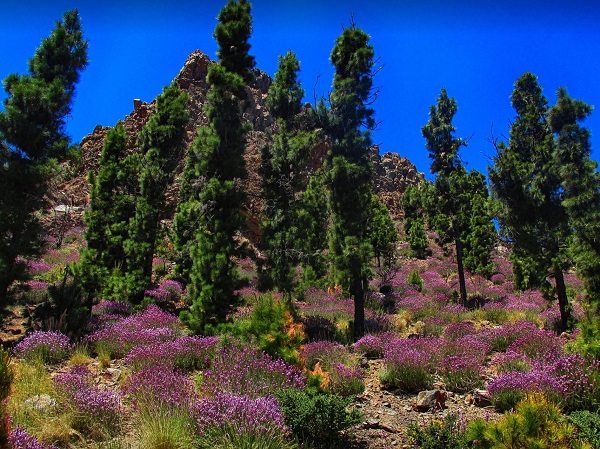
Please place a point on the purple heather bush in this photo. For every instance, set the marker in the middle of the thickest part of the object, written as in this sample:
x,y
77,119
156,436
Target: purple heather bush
x,y
500,338
329,306
97,412
106,307
505,362
409,364
158,389
538,345
579,378
185,353
18,438
44,347
454,331
233,420
508,389
461,372
345,380
326,353
151,326
469,345
168,291
38,266
370,346
245,370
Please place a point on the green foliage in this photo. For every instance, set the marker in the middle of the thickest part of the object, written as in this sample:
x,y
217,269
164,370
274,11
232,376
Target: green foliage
x,y
271,325
413,204
415,279
32,131
579,179
536,423
209,213
382,233
526,180
161,141
317,420
588,340
283,168
349,175
588,426
439,433
443,149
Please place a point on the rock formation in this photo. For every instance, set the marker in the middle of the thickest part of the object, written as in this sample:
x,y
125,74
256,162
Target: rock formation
x,y
392,172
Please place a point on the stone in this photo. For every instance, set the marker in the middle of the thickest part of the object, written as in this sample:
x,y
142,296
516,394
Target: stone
x,y
427,400
42,403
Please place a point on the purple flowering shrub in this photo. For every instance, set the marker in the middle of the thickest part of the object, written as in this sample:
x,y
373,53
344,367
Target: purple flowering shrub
x,y
538,345
345,380
238,421
185,353
96,412
507,390
326,353
370,346
409,364
168,291
244,370
508,361
155,389
454,331
461,373
44,347
18,438
500,338
153,325
579,378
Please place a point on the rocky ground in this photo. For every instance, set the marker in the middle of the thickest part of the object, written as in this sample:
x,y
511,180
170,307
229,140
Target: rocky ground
x,y
388,414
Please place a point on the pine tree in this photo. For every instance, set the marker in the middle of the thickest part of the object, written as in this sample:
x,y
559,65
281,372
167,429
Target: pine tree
x,y
284,171
32,131
160,142
349,169
210,214
443,149
580,182
107,209
526,179
413,205
382,233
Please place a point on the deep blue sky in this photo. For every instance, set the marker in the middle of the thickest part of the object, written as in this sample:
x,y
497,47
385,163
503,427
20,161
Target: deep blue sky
x,y
475,49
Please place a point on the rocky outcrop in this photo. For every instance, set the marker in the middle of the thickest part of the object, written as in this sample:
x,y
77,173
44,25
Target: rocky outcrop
x,y
392,172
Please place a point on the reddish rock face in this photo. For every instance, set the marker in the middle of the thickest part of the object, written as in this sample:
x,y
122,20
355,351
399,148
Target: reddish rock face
x,y
392,172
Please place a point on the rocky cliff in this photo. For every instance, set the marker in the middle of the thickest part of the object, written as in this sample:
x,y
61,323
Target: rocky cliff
x,y
392,172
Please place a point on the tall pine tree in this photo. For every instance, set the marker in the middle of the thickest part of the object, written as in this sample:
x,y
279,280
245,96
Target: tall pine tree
x,y
349,169
526,179
161,141
32,131
284,169
210,213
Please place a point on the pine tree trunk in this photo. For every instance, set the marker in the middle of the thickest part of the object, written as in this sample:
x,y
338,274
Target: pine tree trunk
x,y
563,300
461,270
357,292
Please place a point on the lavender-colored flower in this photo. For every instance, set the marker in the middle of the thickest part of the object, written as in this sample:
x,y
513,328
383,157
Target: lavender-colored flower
x,y
168,290
185,353
508,389
20,439
538,345
105,307
151,326
38,266
346,381
454,331
232,420
511,361
158,388
501,337
240,369
326,353
36,285
45,346
369,345
93,407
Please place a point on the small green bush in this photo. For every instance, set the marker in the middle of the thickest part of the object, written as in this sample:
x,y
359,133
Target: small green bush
x,y
415,279
317,420
536,423
588,426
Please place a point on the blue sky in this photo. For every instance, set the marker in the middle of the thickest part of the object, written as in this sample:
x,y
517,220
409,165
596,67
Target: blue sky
x,y
475,49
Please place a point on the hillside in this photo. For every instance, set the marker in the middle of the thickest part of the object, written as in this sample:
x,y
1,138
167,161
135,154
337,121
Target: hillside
x,y
392,172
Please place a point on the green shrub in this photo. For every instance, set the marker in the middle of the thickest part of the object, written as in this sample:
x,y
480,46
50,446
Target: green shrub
x,y
271,325
6,378
415,279
588,426
444,433
317,420
536,423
